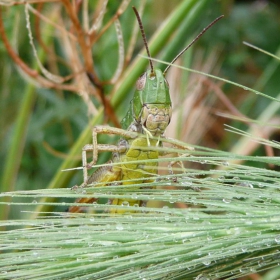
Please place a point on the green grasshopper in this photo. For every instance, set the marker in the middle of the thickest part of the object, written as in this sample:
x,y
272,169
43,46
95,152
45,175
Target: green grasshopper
x,y
141,134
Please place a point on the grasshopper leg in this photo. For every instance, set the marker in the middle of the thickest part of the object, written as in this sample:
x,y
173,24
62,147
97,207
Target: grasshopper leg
x,y
95,148
103,129
99,147
176,144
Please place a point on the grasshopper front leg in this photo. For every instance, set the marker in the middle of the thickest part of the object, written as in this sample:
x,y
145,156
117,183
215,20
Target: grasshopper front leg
x,y
176,144
95,148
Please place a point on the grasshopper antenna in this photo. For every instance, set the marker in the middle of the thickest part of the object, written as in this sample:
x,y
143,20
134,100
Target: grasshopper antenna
x,y
144,38
192,42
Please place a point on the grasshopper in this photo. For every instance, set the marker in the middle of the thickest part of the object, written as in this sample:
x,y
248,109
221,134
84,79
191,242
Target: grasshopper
x,y
142,132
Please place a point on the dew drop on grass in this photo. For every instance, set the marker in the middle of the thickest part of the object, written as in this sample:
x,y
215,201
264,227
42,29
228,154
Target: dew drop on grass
x,y
129,217
251,186
119,227
134,196
206,262
202,277
277,239
125,204
221,178
209,238
226,200
35,254
261,263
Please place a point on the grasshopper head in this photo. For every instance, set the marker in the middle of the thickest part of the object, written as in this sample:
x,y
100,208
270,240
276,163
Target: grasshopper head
x,y
151,88
152,103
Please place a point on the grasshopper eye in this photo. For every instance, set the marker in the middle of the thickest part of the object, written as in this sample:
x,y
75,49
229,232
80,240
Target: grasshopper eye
x,y
141,82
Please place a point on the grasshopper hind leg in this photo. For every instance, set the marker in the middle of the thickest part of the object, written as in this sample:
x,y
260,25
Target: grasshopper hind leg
x,y
103,176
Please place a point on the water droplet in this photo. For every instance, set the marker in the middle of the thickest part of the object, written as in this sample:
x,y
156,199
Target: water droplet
x,y
209,238
119,227
125,204
34,201
134,196
201,277
226,200
207,262
244,270
221,178
129,216
277,239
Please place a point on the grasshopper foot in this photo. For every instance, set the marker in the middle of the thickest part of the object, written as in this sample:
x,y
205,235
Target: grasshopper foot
x,y
74,188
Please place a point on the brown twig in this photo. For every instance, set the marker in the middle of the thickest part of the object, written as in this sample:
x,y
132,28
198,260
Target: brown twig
x,y
13,54
84,42
26,69
107,106
85,47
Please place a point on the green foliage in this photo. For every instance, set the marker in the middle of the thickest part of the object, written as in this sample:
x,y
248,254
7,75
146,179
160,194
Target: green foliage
x,y
215,217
